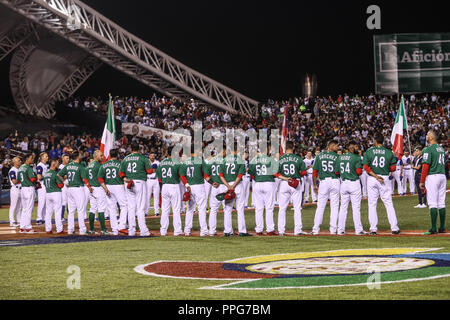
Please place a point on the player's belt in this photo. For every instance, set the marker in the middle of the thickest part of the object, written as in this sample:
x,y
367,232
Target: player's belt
x,y
17,187
350,180
406,168
153,178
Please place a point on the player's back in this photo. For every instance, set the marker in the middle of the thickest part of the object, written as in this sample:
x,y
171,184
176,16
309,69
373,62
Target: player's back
x,y
379,159
434,155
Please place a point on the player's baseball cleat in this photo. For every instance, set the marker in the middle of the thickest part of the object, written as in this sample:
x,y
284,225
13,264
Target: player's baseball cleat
x,y
341,233
187,234
63,220
362,233
429,232
14,225
62,232
281,234
396,232
441,231
373,233
418,206
22,231
90,232
124,231
228,234
106,233
244,234
259,234
313,233
39,222
178,234
213,234
423,205
272,233
301,233
30,231
49,232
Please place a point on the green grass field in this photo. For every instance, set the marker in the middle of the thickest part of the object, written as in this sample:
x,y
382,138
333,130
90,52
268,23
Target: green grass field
x,y
39,271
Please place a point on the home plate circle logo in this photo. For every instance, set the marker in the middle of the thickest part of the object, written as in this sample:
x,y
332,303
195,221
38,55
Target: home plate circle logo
x,y
305,270
339,265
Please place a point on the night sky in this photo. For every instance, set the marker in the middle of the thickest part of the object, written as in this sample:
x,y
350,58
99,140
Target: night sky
x,y
261,49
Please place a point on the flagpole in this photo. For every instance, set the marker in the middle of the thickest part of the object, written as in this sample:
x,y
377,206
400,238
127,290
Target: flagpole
x,y
407,127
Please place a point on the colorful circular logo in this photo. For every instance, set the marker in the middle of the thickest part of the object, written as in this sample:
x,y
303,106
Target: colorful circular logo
x,y
311,269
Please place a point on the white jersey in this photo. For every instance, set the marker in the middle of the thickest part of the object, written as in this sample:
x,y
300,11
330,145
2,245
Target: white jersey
x,y
154,165
41,169
309,162
61,166
407,161
399,164
12,175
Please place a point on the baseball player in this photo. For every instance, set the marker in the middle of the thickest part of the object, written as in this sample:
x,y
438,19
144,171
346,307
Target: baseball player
x,y
29,183
433,180
291,168
262,170
53,198
417,167
231,172
408,175
211,174
97,196
192,171
133,170
15,207
378,163
398,177
110,181
363,178
65,159
350,168
153,185
75,173
309,162
41,168
168,174
246,180
325,169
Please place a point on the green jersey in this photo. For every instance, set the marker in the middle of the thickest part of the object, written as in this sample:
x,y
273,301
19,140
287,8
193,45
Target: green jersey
x,y
168,171
92,173
109,172
379,159
192,169
75,173
135,166
434,155
262,168
231,167
24,174
212,169
347,165
291,166
325,164
51,182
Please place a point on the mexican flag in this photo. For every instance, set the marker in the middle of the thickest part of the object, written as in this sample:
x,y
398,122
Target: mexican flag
x,y
397,132
109,133
284,132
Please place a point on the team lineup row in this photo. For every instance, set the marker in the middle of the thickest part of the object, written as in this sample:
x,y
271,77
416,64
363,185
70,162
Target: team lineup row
x,y
127,184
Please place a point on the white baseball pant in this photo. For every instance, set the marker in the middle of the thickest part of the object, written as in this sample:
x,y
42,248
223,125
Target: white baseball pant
x,y
171,197
64,195
328,190
153,189
246,185
15,207
285,195
117,196
41,212
76,201
363,179
253,193
277,188
435,185
214,205
228,210
136,201
350,191
197,198
309,185
182,191
207,191
264,198
396,175
376,189
53,204
408,176
27,196
87,197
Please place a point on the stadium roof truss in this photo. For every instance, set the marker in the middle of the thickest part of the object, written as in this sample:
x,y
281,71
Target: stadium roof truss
x,y
106,42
